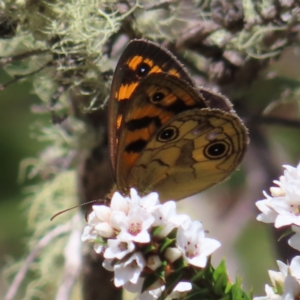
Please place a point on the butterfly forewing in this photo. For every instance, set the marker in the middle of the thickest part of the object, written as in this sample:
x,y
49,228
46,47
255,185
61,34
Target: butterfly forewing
x,y
139,59
192,152
156,100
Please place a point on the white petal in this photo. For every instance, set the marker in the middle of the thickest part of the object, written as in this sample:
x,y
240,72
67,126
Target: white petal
x,y
107,264
283,268
121,275
102,212
198,261
172,254
294,241
130,270
295,267
276,277
98,248
282,220
291,288
118,249
268,214
181,220
117,218
105,230
153,262
183,286
120,203
89,234
134,288
208,246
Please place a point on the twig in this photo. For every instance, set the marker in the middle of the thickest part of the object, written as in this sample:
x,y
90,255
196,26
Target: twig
x,y
276,121
33,254
73,261
6,60
19,77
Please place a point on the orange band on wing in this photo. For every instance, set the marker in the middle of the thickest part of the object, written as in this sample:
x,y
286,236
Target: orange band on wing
x,y
174,72
126,90
134,62
119,120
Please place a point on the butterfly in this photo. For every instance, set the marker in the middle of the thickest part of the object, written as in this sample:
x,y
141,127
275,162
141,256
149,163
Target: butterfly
x,y
165,134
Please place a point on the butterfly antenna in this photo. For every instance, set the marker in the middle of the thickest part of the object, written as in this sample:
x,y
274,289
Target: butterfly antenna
x,y
65,210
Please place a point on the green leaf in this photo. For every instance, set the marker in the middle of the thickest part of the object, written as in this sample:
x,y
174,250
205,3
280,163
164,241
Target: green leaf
x,y
287,232
220,270
150,279
171,281
179,264
149,248
220,284
156,230
198,294
166,243
199,275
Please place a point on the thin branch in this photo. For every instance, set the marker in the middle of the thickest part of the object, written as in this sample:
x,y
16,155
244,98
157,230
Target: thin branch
x,y
276,121
73,261
6,60
33,254
19,77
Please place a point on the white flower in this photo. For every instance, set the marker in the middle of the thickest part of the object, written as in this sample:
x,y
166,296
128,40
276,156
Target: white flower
x,y
89,234
134,226
270,294
283,207
172,254
108,264
98,224
180,290
193,244
105,230
291,288
117,248
294,241
134,287
102,213
153,262
148,202
119,203
268,213
288,279
129,270
165,216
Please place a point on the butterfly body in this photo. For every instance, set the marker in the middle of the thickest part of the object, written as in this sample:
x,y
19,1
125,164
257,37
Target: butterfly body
x,y
165,134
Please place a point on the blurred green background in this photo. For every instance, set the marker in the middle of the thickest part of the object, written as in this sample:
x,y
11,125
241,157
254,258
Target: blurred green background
x,y
16,144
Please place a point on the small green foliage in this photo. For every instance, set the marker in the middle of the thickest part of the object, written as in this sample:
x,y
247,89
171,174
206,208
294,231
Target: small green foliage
x,y
208,283
286,233
171,281
149,248
167,242
149,281
156,230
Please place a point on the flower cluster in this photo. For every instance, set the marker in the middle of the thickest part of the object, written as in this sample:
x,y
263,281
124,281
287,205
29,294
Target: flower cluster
x,y
285,284
283,206
283,209
141,239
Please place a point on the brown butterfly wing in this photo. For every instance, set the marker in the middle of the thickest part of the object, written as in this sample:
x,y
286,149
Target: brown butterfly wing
x,y
216,100
139,59
190,153
157,99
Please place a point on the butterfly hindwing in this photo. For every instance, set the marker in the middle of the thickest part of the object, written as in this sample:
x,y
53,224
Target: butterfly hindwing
x,y
192,152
